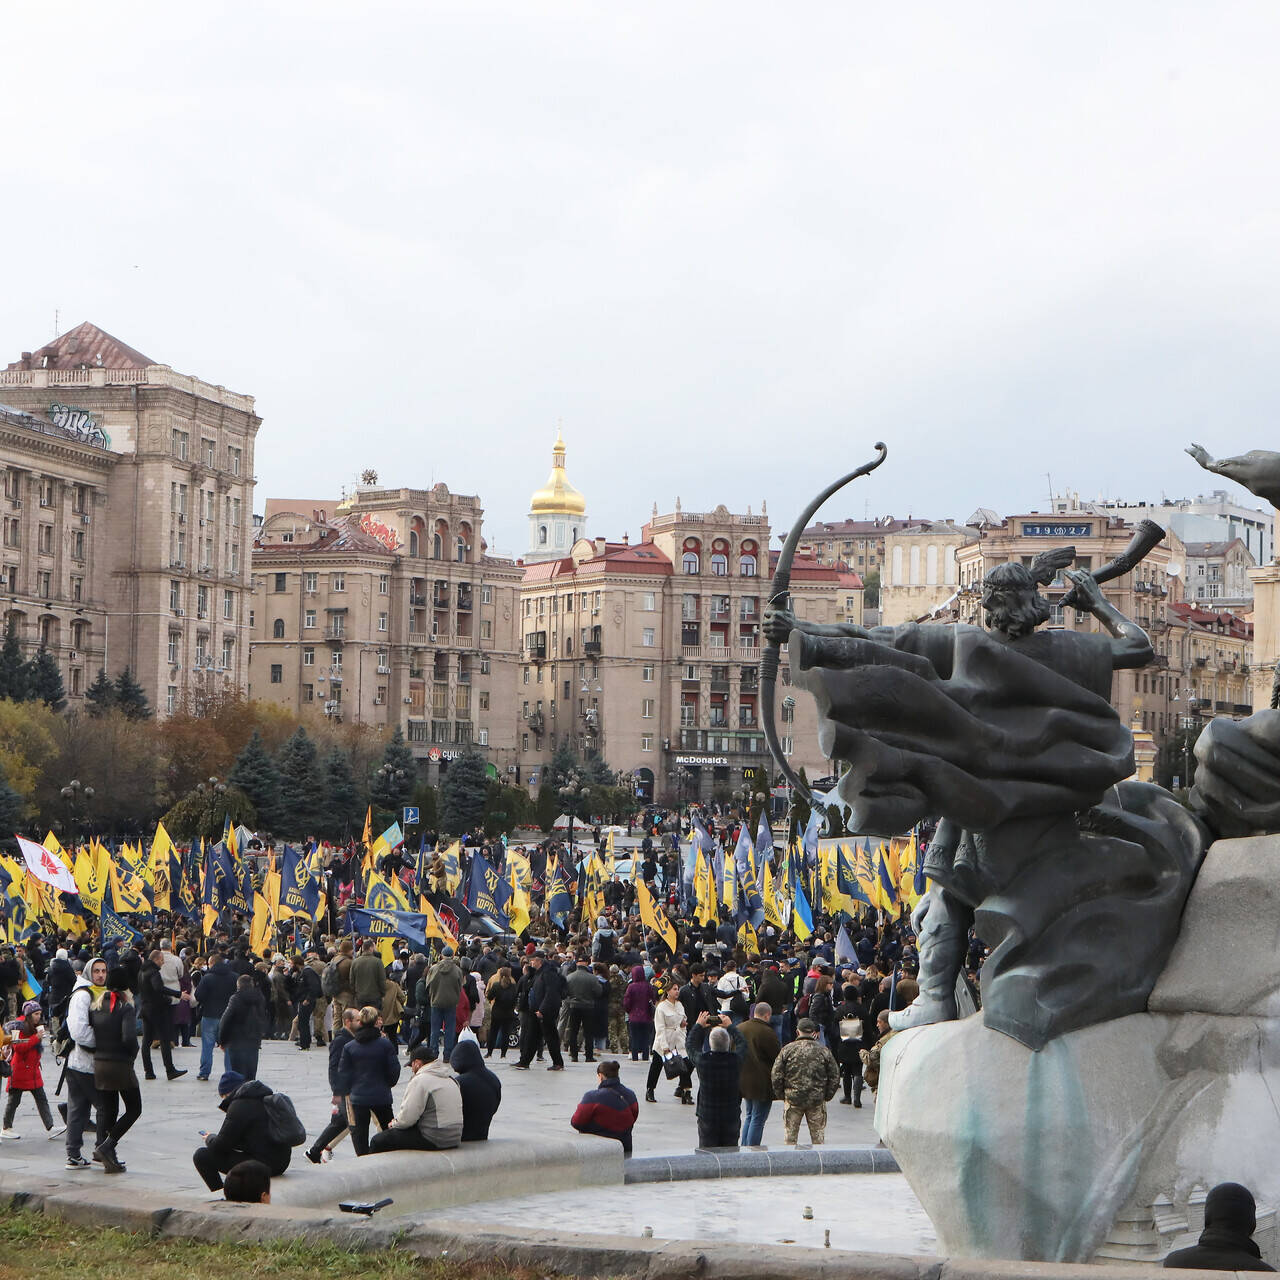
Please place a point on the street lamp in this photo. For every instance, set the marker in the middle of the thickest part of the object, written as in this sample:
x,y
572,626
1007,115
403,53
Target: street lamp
x,y
73,793
570,793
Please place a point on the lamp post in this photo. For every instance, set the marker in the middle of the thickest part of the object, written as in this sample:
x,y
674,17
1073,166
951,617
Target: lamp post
x,y
214,791
570,793
74,794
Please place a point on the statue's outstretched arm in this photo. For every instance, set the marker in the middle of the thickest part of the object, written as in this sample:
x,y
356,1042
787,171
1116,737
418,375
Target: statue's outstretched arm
x,y
780,623
1131,646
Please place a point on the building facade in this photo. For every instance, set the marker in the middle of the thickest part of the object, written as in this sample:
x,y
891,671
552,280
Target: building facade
x,y
128,498
860,544
1216,575
920,573
557,513
384,609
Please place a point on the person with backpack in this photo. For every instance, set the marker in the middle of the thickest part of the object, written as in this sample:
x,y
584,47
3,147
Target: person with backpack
x,y
249,1132
444,983
243,1024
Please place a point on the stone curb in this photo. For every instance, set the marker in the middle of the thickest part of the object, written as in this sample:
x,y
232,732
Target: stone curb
x,y
730,1162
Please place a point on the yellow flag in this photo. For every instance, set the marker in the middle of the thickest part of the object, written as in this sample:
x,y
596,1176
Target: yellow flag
x,y
704,890
271,891
747,938
518,906
382,894
650,918
161,848
90,877
772,912
128,892
263,923
608,852
436,928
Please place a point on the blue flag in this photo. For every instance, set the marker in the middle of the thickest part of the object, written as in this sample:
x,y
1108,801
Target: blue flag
x,y
115,928
559,899
299,889
746,860
488,892
845,953
409,925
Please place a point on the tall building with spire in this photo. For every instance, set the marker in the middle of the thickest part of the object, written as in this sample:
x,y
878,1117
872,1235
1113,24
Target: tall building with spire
x,y
557,513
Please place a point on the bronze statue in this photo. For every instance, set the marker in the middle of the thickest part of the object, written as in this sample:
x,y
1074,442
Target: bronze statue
x,y
1258,471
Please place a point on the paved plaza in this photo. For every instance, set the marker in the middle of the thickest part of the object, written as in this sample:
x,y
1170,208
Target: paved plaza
x,y
536,1106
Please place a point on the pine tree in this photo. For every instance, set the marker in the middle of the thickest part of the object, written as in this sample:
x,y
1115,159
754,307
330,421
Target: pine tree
x,y
131,698
301,787
255,773
14,671
546,808
11,807
100,696
44,680
394,781
341,796
463,793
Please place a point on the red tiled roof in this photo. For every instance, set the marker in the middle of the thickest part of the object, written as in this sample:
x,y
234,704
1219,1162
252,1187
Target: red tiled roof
x,y
85,347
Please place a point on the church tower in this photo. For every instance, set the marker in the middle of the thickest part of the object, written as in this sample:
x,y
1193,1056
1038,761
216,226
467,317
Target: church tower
x,y
557,513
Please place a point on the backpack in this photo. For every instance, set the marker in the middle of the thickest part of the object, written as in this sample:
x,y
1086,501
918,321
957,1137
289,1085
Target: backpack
x,y
802,1009
331,979
283,1125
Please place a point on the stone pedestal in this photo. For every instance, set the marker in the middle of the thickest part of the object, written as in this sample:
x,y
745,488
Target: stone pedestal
x,y
1266,630
1105,1136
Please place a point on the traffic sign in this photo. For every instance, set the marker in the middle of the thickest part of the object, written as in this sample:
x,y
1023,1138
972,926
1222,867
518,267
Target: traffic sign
x,y
410,817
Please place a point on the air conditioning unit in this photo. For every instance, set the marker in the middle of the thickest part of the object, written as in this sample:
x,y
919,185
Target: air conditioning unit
x,y
181,518
179,613
72,656
16,503
377,702
408,700
384,671
84,520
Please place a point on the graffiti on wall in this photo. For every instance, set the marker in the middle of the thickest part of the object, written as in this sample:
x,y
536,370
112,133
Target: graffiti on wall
x,y
79,423
375,529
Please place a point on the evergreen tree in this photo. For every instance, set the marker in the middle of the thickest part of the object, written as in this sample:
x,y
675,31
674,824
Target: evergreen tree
x,y
341,796
44,680
14,672
546,808
463,794
505,808
100,696
11,807
255,774
424,798
595,771
131,698
301,786
394,781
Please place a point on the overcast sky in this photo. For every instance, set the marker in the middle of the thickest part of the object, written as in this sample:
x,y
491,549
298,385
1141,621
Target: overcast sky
x,y
727,245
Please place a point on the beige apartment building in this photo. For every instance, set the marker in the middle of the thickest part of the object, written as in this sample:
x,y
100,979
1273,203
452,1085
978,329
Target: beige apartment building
x,y
860,544
920,574
127,508
384,609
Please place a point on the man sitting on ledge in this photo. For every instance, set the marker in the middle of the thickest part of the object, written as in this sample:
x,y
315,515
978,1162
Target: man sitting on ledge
x,y
609,1110
430,1115
245,1132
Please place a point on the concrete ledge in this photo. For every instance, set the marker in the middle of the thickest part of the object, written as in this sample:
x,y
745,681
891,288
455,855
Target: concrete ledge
x,y
737,1162
422,1180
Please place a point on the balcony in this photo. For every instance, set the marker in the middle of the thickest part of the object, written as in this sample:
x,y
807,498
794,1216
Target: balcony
x,y
464,677
440,600
335,635
418,637
719,686
749,652
536,722
536,652
747,721
691,650
417,601
465,602
591,647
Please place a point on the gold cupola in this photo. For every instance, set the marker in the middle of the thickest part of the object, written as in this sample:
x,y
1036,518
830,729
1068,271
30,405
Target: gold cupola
x,y
558,496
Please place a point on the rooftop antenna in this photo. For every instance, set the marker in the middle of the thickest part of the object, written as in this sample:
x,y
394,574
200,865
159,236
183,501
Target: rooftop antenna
x,y
1049,478
56,314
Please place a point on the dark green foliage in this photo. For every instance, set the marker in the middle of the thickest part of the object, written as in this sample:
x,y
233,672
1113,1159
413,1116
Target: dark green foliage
x,y
341,797
11,808
546,808
871,590
256,775
204,813
463,794
14,672
100,696
395,779
130,697
44,680
301,788
505,808
424,797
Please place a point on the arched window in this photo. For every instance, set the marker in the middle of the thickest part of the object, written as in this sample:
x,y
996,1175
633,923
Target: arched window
x,y
719,564
542,535
277,629
413,542
437,549
691,562
748,564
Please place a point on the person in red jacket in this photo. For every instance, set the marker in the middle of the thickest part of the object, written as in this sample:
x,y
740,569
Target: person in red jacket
x,y
609,1110
27,1041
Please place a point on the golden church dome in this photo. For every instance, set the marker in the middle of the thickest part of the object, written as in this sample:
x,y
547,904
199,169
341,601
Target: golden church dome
x,y
558,497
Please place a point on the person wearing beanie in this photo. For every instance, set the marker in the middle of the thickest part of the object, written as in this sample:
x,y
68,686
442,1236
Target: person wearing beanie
x,y
805,1076
245,1133
1226,1243
26,1043
59,981
443,984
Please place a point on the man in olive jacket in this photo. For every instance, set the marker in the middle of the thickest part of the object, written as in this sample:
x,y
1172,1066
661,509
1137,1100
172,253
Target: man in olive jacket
x,y
755,1082
368,977
806,1077
444,989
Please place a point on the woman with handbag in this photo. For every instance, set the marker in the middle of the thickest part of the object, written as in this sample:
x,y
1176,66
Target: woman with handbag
x,y
849,1022
668,1047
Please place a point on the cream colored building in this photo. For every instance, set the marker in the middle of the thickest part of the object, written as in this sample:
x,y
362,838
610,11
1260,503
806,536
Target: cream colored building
x,y
920,573
127,507
1211,663
384,609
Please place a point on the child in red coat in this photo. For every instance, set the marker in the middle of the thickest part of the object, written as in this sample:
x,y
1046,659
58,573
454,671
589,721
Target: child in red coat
x,y
26,1045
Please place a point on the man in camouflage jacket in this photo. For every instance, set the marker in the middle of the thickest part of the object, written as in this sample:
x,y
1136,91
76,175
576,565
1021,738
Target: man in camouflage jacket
x,y
805,1076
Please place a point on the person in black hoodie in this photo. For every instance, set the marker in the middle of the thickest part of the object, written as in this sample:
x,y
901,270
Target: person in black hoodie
x,y
245,1132
340,1119
1226,1243
367,1071
213,991
157,1018
115,1039
61,978
243,1024
481,1090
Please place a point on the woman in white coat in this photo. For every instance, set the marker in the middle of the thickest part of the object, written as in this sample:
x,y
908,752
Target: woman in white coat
x,y
668,1038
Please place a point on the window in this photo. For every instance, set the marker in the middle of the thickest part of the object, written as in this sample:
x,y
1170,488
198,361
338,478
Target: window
x,y
209,451
178,443
281,582
228,652
646,709
646,637
202,602
748,564
286,537
309,618
462,551
309,656
202,648
228,606
233,461
339,582
45,541
786,746
690,562
171,699
484,700
486,595
647,601
77,589
175,594
525,680
542,535
251,619
384,584
308,693
310,582
77,682
524,742
335,660
382,622
646,742
175,639
646,673
277,629
719,564
77,545
277,673
482,737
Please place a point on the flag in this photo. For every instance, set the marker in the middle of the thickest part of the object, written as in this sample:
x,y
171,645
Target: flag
x,y
847,882
559,897
23,924
409,925
700,841
161,849
746,858
115,929
488,893
519,905
650,918
435,926
382,894
128,891
452,858
299,888
704,890
887,877
46,866
864,871
264,923
182,890
608,851
802,919
747,939
208,892
772,909
845,953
